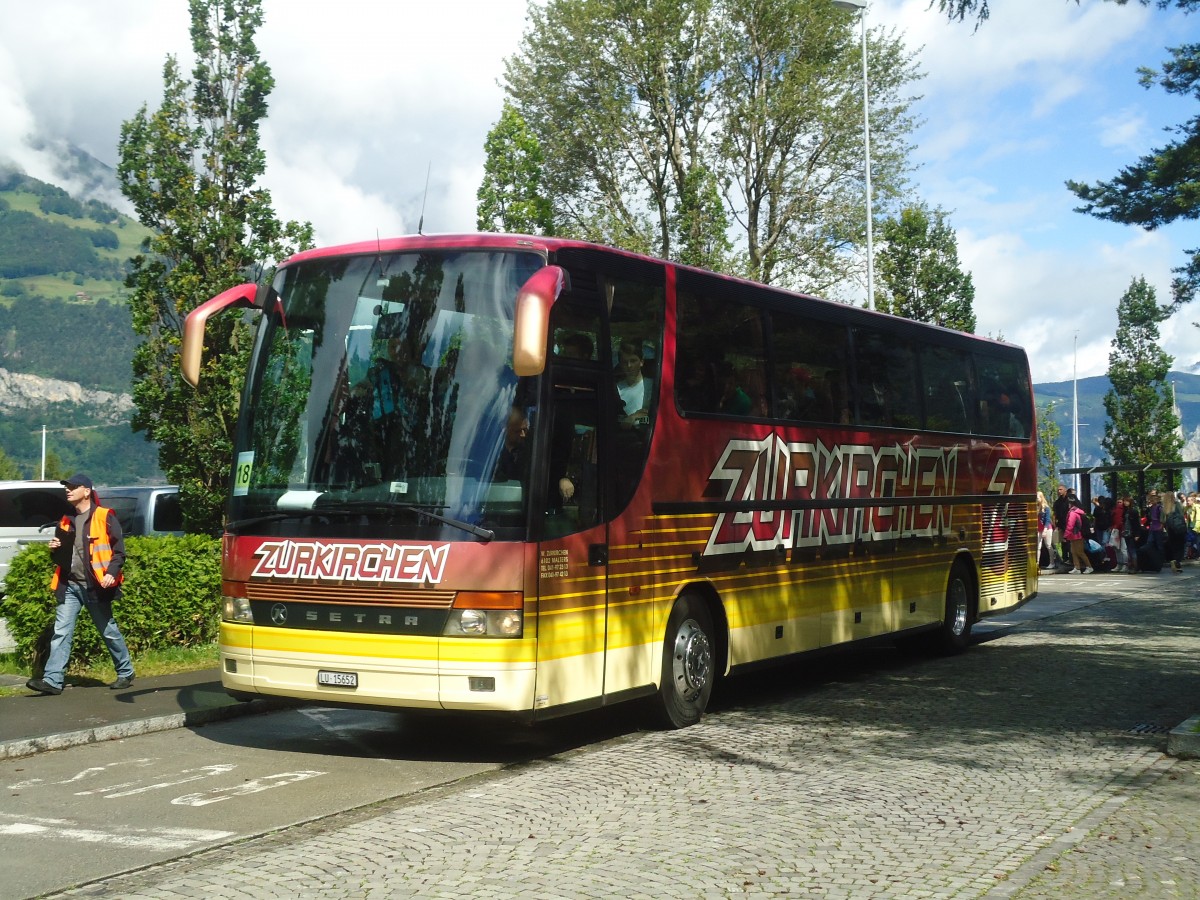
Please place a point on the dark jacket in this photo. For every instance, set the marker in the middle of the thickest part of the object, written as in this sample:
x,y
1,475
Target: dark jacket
x,y
62,556
1061,505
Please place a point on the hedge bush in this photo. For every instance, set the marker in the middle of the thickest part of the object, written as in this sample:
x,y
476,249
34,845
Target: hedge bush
x,y
171,597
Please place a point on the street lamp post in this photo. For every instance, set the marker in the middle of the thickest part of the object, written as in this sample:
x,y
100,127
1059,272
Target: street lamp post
x,y
861,6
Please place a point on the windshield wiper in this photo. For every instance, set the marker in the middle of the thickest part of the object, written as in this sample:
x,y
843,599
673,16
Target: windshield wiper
x,y
359,507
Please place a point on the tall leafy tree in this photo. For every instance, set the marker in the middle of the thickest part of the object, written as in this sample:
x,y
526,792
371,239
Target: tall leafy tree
x,y
191,168
919,272
725,133
512,197
1142,426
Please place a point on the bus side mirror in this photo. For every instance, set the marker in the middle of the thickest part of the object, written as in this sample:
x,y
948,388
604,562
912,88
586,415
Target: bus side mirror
x,y
535,299
240,297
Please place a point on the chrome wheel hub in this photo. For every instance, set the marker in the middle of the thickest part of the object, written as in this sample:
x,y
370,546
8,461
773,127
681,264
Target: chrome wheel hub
x,y
691,660
960,607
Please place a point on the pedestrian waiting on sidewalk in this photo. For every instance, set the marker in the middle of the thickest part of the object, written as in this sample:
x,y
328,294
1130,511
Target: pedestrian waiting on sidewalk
x,y
1174,530
88,551
1075,534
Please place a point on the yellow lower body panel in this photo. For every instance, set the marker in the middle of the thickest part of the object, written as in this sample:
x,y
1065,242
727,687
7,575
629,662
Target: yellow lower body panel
x,y
430,673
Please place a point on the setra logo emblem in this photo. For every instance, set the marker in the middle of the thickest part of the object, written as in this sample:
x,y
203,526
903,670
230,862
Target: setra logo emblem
x,y
279,614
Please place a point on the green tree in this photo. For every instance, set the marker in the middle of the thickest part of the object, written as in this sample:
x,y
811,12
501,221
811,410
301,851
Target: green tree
x,y
1142,426
1049,453
9,470
682,127
190,169
919,273
511,197
700,223
55,470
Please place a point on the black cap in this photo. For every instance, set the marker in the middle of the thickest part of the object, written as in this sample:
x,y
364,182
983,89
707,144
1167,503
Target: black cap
x,y
78,480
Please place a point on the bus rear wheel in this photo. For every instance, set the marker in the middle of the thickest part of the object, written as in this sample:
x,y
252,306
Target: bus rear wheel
x,y
954,635
688,665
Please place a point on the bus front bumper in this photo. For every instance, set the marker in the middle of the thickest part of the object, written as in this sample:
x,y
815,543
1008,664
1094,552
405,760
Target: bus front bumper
x,y
418,673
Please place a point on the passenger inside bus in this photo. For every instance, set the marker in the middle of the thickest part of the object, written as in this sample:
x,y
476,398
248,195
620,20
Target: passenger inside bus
x,y
1003,414
513,463
734,399
635,390
695,385
576,345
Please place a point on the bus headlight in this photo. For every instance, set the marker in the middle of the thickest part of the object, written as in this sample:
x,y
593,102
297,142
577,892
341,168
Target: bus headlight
x,y
486,614
236,609
472,621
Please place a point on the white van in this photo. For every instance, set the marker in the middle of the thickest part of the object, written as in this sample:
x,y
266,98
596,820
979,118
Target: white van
x,y
144,510
29,510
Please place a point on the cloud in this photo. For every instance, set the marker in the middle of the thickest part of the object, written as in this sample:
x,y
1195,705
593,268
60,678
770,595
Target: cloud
x,y
1125,130
404,91
1045,298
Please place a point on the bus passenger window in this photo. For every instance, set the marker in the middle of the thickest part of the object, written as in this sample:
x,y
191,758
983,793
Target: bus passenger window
x,y
1005,407
727,335
809,366
946,376
886,379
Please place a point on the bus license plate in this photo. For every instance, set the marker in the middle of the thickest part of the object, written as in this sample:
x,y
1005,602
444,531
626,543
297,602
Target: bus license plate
x,y
338,679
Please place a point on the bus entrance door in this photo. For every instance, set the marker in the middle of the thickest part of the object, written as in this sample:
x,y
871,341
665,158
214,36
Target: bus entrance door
x,y
573,548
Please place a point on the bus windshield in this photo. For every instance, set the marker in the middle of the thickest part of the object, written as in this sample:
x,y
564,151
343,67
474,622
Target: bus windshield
x,y
382,399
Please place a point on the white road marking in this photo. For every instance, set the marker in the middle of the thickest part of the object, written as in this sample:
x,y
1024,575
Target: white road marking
x,y
79,776
162,839
113,791
256,786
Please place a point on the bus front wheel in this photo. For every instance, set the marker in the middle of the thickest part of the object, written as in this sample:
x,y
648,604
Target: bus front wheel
x,y
688,665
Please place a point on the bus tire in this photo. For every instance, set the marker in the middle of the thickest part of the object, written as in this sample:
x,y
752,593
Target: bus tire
x,y
954,635
688,665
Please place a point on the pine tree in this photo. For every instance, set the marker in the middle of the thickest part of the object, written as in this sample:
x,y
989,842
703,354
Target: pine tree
x,y
1049,453
190,169
919,273
1142,427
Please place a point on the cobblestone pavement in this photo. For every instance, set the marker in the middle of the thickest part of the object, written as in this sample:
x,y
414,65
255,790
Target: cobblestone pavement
x,y
1031,767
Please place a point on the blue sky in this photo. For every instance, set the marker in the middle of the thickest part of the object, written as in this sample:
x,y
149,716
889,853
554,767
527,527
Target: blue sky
x,y
368,96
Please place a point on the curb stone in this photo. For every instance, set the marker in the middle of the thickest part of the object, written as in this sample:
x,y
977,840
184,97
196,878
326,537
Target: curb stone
x,y
193,718
1183,741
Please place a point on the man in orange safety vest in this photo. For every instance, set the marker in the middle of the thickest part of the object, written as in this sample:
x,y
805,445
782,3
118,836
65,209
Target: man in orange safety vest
x,y
88,552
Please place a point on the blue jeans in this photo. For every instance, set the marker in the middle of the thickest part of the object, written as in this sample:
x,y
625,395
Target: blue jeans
x,y
65,616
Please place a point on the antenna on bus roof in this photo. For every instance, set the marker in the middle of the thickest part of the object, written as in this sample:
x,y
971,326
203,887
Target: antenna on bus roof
x,y
382,279
421,221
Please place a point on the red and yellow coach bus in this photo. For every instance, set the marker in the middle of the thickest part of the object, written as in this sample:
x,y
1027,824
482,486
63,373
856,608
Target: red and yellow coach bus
x,y
534,476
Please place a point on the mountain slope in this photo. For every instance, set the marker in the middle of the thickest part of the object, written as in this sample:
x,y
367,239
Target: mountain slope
x,y
66,338
1093,418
